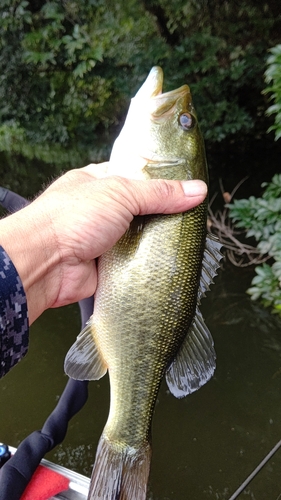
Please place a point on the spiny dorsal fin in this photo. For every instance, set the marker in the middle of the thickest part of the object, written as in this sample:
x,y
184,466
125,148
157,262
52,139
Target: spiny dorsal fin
x,y
210,264
195,362
83,360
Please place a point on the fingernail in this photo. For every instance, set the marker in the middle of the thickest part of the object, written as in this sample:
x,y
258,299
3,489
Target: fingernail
x,y
194,188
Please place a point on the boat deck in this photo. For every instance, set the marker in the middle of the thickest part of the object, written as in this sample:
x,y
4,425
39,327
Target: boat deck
x,y
78,485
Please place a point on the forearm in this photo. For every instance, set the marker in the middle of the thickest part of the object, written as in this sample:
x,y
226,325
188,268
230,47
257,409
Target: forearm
x,y
27,238
13,316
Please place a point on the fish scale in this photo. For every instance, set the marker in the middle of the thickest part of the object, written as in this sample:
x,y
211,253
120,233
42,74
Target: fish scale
x,y
145,309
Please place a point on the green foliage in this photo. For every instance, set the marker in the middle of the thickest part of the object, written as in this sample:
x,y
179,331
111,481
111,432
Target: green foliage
x,y
14,138
68,68
273,79
261,217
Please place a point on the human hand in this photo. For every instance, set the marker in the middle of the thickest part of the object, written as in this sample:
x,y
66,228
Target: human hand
x,y
55,240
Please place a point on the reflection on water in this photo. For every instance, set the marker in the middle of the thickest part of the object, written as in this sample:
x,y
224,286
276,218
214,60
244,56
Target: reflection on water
x,y
205,445
72,457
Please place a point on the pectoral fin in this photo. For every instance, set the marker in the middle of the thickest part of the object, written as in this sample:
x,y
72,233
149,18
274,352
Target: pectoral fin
x,y
195,362
83,360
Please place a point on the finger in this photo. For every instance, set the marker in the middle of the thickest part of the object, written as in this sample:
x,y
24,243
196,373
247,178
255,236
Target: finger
x,y
167,197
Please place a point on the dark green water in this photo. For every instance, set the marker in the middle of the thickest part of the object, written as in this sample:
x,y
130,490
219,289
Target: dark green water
x,y
205,445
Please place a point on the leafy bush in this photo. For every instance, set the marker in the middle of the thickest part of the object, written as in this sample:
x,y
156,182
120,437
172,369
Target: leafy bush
x,y
261,217
273,78
68,69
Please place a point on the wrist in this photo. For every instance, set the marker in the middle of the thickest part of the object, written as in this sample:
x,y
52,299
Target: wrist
x,y
30,243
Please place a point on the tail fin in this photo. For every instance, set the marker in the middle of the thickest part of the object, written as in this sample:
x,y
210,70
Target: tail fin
x,y
120,472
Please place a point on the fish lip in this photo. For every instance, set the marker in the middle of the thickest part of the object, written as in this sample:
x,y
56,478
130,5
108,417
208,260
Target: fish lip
x,y
153,86
181,91
165,104
160,104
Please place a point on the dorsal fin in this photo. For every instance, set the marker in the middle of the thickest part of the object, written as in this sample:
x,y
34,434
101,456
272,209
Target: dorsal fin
x,y
195,362
83,360
210,264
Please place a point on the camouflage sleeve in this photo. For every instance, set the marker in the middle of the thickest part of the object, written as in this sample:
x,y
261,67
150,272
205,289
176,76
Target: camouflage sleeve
x,y
14,327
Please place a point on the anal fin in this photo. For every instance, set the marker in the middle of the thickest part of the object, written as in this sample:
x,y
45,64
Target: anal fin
x,y
83,360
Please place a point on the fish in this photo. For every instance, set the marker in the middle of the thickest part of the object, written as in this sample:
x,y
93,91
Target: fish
x,y
146,322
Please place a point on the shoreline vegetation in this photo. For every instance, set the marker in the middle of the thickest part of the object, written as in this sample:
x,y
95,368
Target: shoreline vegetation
x,y
68,70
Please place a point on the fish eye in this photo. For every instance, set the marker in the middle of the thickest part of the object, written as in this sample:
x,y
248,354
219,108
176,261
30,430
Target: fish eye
x,y
186,121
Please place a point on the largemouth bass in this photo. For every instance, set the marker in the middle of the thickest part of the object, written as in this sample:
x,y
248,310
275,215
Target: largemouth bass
x,y
146,320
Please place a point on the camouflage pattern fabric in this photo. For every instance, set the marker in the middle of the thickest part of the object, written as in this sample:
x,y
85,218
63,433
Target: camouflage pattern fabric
x,y
14,327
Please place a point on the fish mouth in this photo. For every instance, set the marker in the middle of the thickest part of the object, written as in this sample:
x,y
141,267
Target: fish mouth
x,y
161,103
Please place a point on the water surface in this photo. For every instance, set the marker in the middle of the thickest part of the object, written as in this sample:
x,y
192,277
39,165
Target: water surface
x,y
204,445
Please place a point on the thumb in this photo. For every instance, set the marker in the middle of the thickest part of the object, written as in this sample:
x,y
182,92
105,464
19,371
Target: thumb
x,y
167,196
